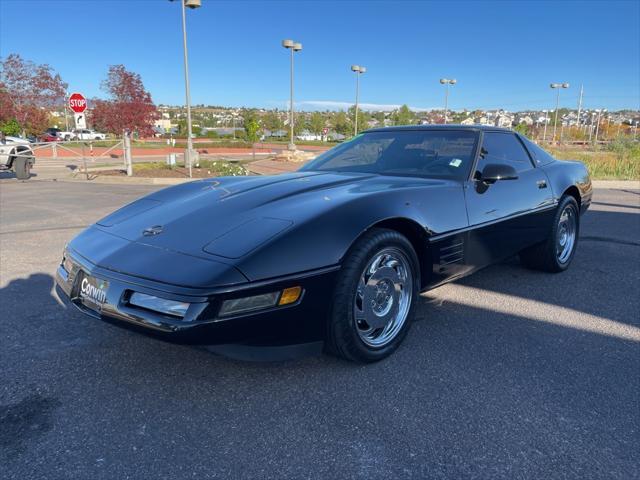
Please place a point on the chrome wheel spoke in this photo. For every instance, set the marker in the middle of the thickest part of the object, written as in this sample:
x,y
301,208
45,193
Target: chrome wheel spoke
x,y
383,297
566,234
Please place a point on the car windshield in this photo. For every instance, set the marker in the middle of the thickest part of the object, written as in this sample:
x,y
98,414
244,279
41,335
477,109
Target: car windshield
x,y
446,154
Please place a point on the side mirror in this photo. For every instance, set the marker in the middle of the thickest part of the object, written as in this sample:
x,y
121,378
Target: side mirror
x,y
497,171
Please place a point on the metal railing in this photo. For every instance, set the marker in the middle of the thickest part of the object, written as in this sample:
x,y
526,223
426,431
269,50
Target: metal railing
x,y
84,145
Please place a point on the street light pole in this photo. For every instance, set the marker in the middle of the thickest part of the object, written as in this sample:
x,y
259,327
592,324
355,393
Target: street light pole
x,y
447,82
358,70
598,124
191,4
557,86
294,47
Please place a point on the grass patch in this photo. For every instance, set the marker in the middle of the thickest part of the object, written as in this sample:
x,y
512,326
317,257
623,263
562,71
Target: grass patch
x,y
619,160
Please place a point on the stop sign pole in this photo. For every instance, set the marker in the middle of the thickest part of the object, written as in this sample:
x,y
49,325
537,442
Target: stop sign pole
x,y
78,103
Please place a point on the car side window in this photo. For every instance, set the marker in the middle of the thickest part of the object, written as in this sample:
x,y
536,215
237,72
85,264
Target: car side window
x,y
503,148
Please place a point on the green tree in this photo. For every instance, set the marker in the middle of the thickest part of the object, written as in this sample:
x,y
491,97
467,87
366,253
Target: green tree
x,y
272,121
316,123
341,123
10,127
403,116
379,116
363,118
251,125
522,128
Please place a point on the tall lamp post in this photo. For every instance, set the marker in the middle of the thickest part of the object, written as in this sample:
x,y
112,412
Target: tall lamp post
x,y
359,70
294,47
598,123
190,4
447,82
557,86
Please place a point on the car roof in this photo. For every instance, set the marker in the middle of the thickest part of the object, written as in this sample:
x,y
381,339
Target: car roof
x,y
451,126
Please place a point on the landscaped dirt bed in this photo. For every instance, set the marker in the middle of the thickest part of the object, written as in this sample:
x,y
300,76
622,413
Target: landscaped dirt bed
x,y
160,170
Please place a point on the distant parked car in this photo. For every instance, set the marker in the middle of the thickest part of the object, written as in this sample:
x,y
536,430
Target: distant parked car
x,y
85,134
50,137
64,134
16,155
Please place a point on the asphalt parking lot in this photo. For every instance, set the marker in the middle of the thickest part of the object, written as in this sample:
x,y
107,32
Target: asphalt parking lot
x,y
507,374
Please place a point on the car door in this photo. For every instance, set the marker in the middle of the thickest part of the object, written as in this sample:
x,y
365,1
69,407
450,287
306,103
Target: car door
x,y
506,215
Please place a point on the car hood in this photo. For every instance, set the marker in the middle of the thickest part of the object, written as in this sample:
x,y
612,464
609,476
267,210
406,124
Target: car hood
x,y
18,140
231,216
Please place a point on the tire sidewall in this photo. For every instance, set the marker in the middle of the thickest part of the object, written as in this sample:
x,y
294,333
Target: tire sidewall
x,y
342,315
564,202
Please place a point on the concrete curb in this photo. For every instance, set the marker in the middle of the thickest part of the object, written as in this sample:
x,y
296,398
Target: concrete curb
x,y
617,184
130,180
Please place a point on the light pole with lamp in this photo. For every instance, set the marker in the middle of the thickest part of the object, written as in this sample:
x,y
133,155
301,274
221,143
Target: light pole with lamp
x,y
447,82
190,4
598,123
359,70
593,114
294,47
557,86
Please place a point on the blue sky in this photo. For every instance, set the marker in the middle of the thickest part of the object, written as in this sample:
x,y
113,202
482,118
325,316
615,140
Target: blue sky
x,y
503,54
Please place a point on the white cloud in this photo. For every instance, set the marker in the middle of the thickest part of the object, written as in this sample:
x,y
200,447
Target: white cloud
x,y
338,105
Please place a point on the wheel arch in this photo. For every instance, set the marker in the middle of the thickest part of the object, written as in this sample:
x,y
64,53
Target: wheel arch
x,y
417,236
575,193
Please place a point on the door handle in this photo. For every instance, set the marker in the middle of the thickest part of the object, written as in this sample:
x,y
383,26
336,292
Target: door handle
x,y
542,183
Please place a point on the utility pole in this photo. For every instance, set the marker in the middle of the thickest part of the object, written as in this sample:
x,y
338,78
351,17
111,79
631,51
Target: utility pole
x,y
557,86
189,152
579,107
447,82
358,71
294,47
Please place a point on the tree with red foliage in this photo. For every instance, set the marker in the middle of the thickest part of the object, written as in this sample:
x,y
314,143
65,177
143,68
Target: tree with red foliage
x,y
129,108
27,92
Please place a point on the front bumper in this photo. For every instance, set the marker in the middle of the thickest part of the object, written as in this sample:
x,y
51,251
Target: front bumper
x,y
300,322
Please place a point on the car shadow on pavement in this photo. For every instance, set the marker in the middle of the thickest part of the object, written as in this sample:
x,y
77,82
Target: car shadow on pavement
x,y
467,381
10,174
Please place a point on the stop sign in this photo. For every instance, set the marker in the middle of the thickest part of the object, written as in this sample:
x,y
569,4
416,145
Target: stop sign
x,y
77,102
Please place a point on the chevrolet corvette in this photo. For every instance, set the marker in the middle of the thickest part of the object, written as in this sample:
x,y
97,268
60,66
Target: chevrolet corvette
x,y
336,252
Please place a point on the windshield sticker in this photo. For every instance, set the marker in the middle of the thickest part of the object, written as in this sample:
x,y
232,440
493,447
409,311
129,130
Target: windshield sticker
x,y
456,162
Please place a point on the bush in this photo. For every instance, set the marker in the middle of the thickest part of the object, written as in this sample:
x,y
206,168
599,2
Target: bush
x,y
223,169
11,127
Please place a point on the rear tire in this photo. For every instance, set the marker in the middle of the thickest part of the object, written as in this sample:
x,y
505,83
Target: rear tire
x,y
22,167
374,299
556,253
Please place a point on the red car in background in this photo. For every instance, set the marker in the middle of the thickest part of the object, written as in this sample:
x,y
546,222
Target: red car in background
x,y
51,135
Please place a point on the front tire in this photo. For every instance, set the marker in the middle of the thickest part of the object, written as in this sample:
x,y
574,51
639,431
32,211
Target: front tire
x,y
555,254
22,167
374,298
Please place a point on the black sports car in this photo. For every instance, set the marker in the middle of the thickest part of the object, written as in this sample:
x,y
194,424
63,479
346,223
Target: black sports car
x,y
337,251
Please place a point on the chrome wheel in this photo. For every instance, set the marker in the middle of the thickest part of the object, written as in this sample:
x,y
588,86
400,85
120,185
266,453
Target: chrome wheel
x,y
383,297
566,234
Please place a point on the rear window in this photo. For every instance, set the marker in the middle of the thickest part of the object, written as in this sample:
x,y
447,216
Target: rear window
x,y
540,156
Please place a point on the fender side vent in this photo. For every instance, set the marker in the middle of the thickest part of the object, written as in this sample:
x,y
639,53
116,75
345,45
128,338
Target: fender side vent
x,y
451,255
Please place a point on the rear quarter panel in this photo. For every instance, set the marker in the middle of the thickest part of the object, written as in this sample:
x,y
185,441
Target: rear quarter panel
x,y
564,174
